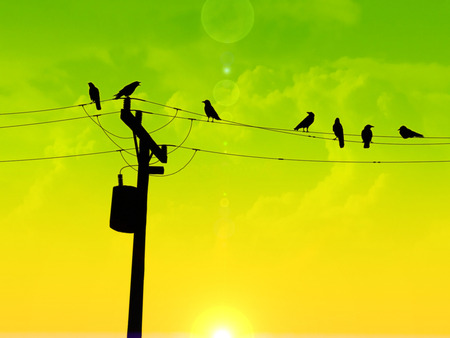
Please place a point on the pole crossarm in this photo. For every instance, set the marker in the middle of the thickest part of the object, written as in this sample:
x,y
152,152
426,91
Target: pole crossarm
x,y
132,122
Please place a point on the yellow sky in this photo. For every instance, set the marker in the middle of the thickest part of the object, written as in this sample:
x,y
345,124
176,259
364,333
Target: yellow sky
x,y
255,246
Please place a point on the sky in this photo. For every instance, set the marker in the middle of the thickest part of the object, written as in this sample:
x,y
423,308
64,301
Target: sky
x,y
327,242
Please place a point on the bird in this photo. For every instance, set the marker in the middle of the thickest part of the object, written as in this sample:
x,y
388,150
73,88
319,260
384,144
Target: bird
x,y
94,94
307,121
366,135
210,111
127,90
339,132
407,133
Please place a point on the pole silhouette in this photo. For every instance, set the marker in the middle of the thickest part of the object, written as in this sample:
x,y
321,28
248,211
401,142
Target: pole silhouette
x,y
147,148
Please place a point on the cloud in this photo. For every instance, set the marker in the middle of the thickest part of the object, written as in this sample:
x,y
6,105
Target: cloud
x,y
341,201
345,12
359,91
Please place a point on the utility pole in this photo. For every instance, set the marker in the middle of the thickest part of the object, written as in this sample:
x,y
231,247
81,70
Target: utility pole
x,y
146,149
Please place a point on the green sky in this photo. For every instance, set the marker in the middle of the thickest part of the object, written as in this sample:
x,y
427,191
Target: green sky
x,y
253,246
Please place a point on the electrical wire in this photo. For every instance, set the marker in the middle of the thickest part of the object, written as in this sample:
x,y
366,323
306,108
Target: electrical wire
x,y
49,109
308,160
128,164
166,106
300,134
224,122
43,122
106,134
52,121
182,142
281,129
230,154
182,168
185,138
310,134
165,125
110,133
40,110
59,156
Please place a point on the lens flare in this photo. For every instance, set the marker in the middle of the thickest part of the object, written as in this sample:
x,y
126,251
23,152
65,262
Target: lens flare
x,y
222,322
227,21
226,92
222,333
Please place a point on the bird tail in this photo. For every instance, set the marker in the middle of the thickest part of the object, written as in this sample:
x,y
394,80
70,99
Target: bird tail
x,y
341,142
97,104
366,144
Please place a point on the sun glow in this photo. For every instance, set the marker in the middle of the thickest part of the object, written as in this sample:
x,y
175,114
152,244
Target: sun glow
x,y
221,322
222,333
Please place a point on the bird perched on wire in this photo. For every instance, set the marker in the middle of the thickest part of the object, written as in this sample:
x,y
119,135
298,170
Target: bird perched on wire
x,y
210,111
407,133
339,132
127,90
366,135
307,121
94,94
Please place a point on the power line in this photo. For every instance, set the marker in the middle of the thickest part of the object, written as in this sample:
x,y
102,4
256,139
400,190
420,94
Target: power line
x,y
128,164
166,106
106,134
178,146
294,133
59,156
107,131
259,157
40,110
53,121
182,168
49,109
308,160
310,134
271,128
165,125
222,122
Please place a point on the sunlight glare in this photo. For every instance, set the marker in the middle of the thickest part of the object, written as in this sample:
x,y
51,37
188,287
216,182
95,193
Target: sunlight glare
x,y
222,333
221,322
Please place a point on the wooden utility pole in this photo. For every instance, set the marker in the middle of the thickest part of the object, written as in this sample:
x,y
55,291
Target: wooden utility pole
x,y
147,148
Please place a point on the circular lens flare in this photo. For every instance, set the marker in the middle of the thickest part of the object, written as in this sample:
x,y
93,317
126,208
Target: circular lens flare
x,y
226,92
227,21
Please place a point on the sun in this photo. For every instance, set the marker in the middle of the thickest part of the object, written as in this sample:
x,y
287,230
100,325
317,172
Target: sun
x,y
221,322
222,333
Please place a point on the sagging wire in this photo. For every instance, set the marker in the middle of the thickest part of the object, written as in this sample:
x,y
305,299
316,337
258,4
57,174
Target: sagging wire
x,y
128,164
106,133
171,120
182,142
182,168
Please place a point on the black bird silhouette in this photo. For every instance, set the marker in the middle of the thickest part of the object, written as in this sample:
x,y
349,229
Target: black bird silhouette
x,y
94,94
127,90
339,132
407,133
366,135
307,121
210,111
